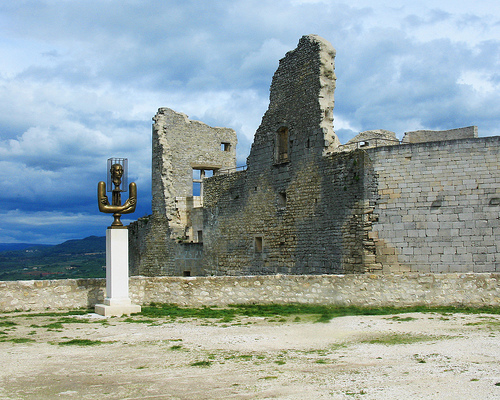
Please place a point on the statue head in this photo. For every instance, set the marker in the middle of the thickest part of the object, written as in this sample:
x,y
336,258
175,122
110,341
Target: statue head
x,y
116,174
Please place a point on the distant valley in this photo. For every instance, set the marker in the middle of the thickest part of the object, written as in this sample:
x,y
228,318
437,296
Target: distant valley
x,y
81,258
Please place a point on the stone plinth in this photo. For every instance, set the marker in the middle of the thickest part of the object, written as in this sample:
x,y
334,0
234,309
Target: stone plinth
x,y
117,301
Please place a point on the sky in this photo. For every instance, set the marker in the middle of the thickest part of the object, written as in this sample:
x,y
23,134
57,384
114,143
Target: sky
x,y
81,80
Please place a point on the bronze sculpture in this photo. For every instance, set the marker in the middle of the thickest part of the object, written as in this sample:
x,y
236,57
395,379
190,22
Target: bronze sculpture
x,y
116,208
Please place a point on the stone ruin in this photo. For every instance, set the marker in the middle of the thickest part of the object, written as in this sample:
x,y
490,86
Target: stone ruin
x,y
306,204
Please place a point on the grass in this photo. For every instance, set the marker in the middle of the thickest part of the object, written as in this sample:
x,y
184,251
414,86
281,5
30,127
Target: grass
x,y
277,311
18,340
6,324
201,364
398,338
81,342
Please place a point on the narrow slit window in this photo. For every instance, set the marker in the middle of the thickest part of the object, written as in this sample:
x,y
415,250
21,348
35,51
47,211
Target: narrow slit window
x,y
282,145
258,244
282,199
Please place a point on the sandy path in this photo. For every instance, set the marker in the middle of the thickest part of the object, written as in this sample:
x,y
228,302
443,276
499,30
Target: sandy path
x,y
441,357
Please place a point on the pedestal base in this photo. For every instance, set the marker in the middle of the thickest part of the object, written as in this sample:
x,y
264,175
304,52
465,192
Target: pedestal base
x,y
116,309
117,301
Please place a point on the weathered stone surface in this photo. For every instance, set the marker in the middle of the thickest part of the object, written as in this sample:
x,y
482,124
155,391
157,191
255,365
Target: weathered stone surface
x,y
434,208
159,243
308,205
366,290
422,136
369,139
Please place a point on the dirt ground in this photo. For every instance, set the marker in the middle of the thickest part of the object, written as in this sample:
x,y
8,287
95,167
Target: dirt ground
x,y
407,356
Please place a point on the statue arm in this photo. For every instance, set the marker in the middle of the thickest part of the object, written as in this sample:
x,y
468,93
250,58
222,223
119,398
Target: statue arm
x,y
129,205
126,208
102,199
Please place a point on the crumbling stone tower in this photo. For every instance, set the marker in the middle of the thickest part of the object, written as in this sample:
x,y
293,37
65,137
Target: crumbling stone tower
x,y
295,210
185,152
299,120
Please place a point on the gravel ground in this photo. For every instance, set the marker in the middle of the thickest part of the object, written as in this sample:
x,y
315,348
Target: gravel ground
x,y
406,356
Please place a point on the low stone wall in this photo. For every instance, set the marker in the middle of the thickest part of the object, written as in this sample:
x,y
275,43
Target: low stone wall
x,y
361,290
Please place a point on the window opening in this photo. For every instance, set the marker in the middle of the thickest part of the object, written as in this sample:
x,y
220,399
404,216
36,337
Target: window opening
x,y
198,175
186,273
200,236
258,244
282,145
282,199
224,146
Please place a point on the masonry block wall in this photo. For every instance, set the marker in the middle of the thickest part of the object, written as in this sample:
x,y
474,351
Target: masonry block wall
x,y
308,205
437,205
308,220
294,210
161,244
181,145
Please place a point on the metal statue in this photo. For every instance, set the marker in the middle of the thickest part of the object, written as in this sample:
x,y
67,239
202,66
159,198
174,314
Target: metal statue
x,y
116,208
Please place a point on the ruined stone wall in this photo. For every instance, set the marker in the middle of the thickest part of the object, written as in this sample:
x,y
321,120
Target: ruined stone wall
x,y
151,251
294,210
318,228
179,146
438,206
422,136
160,243
366,290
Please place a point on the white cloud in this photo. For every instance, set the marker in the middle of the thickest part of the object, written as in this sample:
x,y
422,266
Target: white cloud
x,y
80,82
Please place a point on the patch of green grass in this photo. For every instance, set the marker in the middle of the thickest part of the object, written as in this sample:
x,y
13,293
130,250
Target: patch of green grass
x,y
204,363
176,347
490,323
275,311
56,313
349,393
53,325
81,342
18,340
7,323
399,319
280,362
398,338
141,321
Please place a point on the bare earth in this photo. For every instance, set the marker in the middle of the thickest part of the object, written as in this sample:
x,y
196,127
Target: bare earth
x,y
426,356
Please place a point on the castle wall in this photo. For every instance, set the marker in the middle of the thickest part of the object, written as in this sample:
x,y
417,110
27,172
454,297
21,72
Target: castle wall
x,y
308,205
168,242
368,290
294,210
438,206
305,220
181,145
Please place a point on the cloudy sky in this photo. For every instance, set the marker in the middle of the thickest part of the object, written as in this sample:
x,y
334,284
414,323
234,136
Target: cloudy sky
x,y
81,80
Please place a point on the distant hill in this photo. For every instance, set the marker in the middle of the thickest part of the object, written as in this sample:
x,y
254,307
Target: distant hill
x,y
18,246
80,258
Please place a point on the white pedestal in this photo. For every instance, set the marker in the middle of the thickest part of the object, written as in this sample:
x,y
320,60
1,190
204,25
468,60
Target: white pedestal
x,y
117,301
